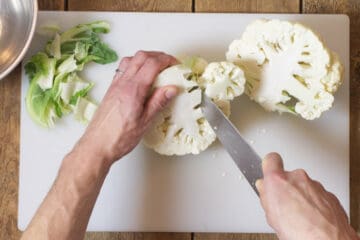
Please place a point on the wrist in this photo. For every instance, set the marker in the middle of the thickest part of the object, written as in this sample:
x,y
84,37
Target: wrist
x,y
84,167
88,158
96,145
92,151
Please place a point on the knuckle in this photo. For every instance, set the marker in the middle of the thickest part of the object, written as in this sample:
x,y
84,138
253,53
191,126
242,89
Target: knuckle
x,y
334,199
332,196
141,54
165,56
125,60
153,63
161,104
301,174
276,177
136,65
318,185
133,67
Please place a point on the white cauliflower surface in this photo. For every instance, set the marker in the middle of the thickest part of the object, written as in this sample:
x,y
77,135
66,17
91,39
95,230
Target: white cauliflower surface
x,y
181,127
222,80
287,67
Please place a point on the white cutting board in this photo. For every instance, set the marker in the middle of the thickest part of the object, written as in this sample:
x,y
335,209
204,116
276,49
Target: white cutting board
x,y
203,193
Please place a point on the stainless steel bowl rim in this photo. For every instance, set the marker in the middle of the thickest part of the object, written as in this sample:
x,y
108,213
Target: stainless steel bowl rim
x,y
26,46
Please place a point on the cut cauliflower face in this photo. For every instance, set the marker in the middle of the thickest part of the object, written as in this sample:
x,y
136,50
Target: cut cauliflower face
x,y
222,81
287,67
181,127
196,64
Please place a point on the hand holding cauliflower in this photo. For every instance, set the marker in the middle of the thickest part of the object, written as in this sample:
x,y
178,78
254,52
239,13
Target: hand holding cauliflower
x,y
181,128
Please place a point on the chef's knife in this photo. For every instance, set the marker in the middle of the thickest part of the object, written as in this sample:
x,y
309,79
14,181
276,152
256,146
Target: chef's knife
x,y
247,160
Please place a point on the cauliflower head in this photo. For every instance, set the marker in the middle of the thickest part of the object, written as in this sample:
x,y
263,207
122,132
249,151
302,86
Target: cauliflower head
x,y
181,127
287,67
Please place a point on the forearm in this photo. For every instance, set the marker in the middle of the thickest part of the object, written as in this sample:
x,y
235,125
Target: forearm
x,y
65,212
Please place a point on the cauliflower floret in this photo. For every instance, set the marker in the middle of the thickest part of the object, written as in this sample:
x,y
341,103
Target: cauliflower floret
x,y
287,67
181,128
222,81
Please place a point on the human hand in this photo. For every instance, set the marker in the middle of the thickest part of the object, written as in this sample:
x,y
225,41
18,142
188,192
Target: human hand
x,y
298,207
127,109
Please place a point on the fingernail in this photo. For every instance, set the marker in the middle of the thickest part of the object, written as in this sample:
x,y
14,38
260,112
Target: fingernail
x,y
258,184
170,93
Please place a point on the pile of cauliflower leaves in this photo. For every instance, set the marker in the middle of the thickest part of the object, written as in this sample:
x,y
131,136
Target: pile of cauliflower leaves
x,y
281,65
56,89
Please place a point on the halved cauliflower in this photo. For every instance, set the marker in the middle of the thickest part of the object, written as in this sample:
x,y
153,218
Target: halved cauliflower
x,y
181,127
287,67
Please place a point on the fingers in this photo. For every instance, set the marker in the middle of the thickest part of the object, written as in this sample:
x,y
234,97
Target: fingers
x,y
300,175
272,163
124,63
138,61
335,204
159,99
319,186
143,68
151,68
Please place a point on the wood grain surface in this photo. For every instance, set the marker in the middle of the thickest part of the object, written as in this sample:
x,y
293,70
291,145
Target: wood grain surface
x,y
255,6
9,143
10,102
134,5
52,4
9,153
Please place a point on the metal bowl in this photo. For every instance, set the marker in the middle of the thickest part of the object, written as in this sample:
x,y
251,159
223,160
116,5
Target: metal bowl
x,y
17,26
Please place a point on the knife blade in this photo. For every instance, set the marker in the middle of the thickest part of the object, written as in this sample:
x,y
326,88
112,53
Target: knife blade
x,y
246,159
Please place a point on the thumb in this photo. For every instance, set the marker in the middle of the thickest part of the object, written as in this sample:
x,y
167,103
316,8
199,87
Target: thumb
x,y
158,101
271,163
260,186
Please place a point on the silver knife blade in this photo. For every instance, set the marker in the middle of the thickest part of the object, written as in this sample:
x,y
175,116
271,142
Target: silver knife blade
x,y
247,160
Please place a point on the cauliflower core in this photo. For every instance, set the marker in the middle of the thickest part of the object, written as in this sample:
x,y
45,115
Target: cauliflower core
x,y
287,67
181,127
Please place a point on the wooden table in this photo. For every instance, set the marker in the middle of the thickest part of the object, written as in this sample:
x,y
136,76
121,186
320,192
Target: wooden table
x,y
10,101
